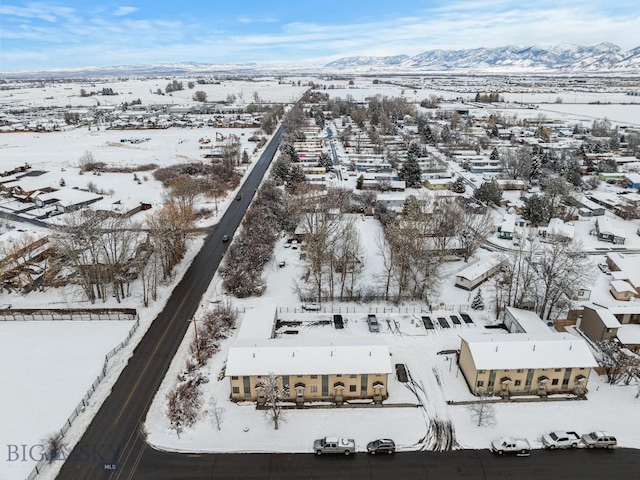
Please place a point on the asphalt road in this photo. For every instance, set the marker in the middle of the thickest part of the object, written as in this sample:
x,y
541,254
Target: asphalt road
x,y
113,444
579,464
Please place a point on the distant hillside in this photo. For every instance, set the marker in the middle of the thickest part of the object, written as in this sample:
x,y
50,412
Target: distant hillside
x,y
566,57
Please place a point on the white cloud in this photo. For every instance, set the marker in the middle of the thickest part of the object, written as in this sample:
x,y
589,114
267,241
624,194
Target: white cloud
x,y
122,11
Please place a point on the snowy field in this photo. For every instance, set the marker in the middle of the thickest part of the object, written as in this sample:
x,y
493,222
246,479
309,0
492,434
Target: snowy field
x,y
32,410
47,368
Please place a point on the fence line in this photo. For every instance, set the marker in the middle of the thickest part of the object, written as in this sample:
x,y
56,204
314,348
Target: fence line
x,y
344,309
48,315
37,469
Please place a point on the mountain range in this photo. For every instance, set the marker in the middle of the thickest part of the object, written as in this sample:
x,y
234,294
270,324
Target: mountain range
x,y
565,57
603,57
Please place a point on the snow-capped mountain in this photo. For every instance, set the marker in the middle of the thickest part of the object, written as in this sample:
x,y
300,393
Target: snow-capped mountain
x,y
565,57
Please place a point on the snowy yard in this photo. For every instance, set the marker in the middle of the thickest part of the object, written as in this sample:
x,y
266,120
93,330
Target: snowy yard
x,y
47,369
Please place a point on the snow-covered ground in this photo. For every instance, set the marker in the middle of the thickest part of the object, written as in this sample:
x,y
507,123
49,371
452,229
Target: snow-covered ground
x,y
49,404
437,380
47,367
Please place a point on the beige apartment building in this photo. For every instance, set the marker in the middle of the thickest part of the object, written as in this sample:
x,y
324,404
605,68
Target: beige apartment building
x,y
334,370
525,363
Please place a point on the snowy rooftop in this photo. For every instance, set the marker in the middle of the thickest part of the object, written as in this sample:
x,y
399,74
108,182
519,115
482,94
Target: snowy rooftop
x,y
258,323
606,315
529,321
479,268
622,286
307,356
524,350
629,334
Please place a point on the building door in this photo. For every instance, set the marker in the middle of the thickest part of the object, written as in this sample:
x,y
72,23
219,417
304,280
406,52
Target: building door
x,y
325,385
364,380
246,386
492,380
565,379
527,383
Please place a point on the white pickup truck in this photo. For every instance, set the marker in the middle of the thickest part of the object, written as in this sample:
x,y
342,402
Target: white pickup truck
x,y
345,446
519,446
560,439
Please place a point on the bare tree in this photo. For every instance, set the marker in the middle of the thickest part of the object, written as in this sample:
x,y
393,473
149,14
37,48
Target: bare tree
x,y
483,412
272,390
217,412
53,446
562,268
613,359
472,230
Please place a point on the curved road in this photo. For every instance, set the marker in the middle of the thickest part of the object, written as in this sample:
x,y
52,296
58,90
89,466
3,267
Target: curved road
x,y
113,446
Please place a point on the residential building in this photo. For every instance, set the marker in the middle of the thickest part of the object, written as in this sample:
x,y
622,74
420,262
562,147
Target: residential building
x,y
525,363
314,369
477,273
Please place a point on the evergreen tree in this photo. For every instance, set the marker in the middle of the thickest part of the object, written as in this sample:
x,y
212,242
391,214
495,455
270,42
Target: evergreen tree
x,y
488,192
458,186
494,155
478,303
325,161
410,172
536,209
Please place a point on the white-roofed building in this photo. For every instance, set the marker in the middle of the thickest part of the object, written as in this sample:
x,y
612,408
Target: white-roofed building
x,y
598,322
605,231
475,274
314,369
622,290
524,363
523,321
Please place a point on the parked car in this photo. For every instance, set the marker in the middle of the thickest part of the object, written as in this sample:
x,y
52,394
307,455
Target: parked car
x,y
372,321
604,268
239,197
225,238
599,440
518,446
560,439
382,445
314,307
346,446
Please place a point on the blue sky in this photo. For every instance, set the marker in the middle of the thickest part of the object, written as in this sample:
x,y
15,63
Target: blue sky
x,y
68,34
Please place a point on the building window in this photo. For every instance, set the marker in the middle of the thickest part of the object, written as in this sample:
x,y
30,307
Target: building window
x,y
480,372
520,370
314,377
234,377
339,375
352,388
353,375
557,370
236,390
518,383
314,389
554,381
480,383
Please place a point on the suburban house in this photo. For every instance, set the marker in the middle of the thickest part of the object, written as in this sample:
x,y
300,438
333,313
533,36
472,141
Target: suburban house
x,y
507,228
557,229
622,290
600,322
523,321
606,232
314,369
477,273
525,363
